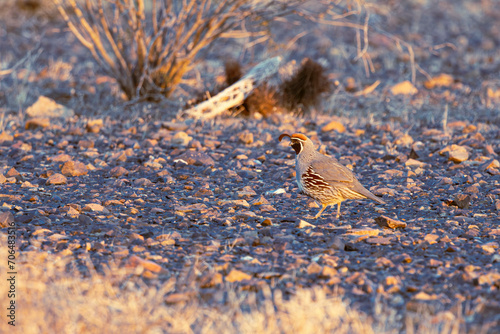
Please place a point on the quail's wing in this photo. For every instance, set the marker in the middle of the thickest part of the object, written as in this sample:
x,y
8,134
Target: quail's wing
x,y
334,172
331,170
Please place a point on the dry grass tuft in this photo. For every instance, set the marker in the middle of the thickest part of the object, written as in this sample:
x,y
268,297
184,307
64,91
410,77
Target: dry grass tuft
x,y
303,90
52,299
232,69
264,100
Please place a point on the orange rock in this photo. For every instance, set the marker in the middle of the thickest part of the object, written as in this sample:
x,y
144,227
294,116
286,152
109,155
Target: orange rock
x,y
314,268
405,140
333,125
4,136
36,123
57,179
95,125
74,168
135,261
179,297
442,80
236,275
391,280
61,158
384,221
404,88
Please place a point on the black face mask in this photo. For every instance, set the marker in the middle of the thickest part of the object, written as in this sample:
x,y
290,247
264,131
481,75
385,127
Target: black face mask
x,y
297,147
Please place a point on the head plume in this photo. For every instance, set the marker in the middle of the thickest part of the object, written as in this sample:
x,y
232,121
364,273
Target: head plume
x,y
283,135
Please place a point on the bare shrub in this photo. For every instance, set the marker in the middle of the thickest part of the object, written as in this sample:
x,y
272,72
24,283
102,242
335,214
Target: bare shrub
x,y
148,51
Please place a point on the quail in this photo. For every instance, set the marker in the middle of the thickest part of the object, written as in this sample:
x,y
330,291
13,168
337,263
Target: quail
x,y
323,178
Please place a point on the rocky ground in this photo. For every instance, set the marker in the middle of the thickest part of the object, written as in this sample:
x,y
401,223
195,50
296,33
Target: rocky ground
x,y
219,204
211,207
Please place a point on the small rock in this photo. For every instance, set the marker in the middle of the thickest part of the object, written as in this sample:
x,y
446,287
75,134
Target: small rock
x,y
84,219
260,201
149,143
304,224
6,219
363,231
85,144
196,158
234,203
181,139
5,137
95,208
424,296
378,241
337,243
488,150
246,192
405,140
458,155
403,88
174,126
143,182
472,189
211,280
118,172
178,297
391,280
57,179
61,158
45,107
414,163
197,207
57,237
237,276
95,125
267,222
314,268
267,208
74,168
442,80
455,153
433,263
490,247
13,173
431,238
37,123
204,192
462,201
328,272
276,192
333,125
246,137
135,261
492,278
388,222
490,163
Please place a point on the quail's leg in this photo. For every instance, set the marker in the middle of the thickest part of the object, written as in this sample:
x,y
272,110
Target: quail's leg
x,y
338,210
321,211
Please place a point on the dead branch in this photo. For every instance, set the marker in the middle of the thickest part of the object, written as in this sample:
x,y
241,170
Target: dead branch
x,y
235,94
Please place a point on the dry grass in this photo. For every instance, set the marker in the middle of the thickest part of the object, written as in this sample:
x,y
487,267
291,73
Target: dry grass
x,y
52,299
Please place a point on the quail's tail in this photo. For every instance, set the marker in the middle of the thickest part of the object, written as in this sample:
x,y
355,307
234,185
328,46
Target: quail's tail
x,y
375,198
368,194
